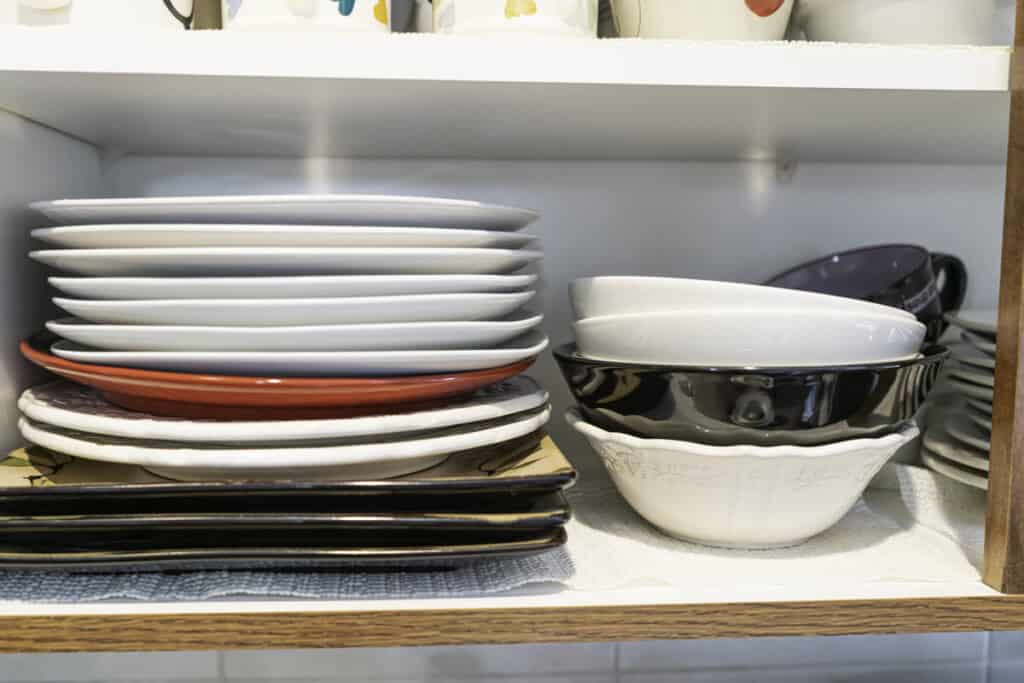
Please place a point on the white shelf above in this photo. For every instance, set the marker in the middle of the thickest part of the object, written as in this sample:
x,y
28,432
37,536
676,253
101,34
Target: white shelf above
x,y
239,94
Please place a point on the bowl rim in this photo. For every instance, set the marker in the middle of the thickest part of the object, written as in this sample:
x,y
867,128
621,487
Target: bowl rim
x,y
935,353
906,433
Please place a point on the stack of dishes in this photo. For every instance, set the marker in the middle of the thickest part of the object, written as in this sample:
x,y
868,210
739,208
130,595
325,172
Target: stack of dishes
x,y
737,415
956,444
290,344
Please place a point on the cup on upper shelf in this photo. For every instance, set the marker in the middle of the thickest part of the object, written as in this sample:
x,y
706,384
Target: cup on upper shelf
x,y
703,20
956,22
370,16
571,18
899,275
129,14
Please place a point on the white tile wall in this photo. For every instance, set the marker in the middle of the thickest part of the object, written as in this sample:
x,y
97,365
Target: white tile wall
x,y
697,655
131,666
942,658
422,663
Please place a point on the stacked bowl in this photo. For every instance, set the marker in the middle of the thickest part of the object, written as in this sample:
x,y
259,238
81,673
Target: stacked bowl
x,y
957,442
739,415
335,341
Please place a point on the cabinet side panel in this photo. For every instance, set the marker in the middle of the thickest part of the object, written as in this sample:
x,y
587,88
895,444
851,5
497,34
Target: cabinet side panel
x,y
35,163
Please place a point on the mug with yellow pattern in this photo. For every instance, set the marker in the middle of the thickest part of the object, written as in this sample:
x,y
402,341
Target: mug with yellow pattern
x,y
306,15
555,17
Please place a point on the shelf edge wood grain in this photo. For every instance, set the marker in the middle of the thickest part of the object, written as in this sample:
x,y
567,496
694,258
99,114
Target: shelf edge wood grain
x,y
390,628
1004,529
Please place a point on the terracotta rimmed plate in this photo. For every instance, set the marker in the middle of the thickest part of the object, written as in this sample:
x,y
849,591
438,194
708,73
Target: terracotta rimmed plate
x,y
177,394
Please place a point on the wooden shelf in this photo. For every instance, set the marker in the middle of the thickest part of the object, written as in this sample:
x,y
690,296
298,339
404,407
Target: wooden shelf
x,y
908,579
406,96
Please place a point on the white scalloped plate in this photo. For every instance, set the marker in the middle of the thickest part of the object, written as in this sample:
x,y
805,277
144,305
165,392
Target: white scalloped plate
x,y
72,406
378,460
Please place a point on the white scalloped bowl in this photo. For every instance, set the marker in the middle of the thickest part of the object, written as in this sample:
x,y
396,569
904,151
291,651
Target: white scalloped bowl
x,y
746,497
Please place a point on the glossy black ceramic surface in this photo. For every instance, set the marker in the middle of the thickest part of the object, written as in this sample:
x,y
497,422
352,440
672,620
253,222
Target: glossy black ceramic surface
x,y
900,275
763,407
307,551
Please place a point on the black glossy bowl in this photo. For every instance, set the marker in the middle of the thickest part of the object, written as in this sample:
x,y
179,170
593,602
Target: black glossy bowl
x,y
761,407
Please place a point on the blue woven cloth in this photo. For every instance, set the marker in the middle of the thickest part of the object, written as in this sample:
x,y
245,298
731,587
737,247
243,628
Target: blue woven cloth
x,y
487,577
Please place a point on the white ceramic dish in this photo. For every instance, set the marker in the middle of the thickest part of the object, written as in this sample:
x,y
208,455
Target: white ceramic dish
x,y
147,236
741,496
365,16
745,338
982,361
327,209
981,407
973,375
201,261
307,462
72,406
952,471
314,363
295,312
980,417
986,346
959,22
569,18
979,321
298,287
367,337
972,390
960,430
108,15
703,20
594,297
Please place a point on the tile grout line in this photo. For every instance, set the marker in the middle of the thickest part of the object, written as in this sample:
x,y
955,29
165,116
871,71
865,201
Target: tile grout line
x,y
221,666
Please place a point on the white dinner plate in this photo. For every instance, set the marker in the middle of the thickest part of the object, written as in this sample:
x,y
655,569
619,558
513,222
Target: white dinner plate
x,y
330,209
313,363
72,406
128,235
967,354
986,346
297,287
979,321
320,461
973,375
972,390
368,337
179,261
961,428
950,470
981,406
979,416
294,312
940,443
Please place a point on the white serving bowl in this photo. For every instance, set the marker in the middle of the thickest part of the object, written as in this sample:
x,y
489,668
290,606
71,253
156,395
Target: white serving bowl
x,y
956,22
749,338
703,19
593,297
740,496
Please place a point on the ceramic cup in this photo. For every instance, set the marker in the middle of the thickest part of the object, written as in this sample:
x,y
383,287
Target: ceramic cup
x,y
554,17
964,22
703,19
134,14
899,275
370,16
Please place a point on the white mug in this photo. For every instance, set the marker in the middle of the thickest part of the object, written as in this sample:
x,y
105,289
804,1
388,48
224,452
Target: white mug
x,y
134,14
703,19
554,17
306,15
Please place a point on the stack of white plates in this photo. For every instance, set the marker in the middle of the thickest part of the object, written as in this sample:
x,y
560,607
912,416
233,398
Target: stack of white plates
x,y
301,286
956,444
